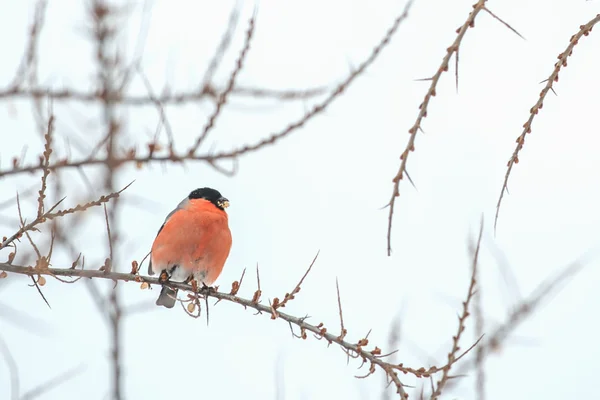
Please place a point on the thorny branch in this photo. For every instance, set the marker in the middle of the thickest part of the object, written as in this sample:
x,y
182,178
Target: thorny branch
x,y
431,92
495,339
461,320
49,215
167,97
584,30
356,350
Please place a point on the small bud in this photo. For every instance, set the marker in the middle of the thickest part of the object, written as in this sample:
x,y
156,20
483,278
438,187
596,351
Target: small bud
x,y
134,267
191,307
3,274
144,285
41,281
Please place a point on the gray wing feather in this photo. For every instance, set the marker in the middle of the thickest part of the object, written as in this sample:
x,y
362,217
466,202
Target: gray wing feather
x,y
180,206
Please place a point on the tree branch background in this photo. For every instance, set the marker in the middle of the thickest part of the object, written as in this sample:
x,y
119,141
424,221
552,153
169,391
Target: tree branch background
x,y
321,187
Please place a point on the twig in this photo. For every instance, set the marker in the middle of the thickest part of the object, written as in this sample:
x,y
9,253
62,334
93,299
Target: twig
x,y
223,45
452,355
290,296
479,329
358,349
222,99
131,156
524,310
49,215
431,92
343,330
320,107
45,162
30,57
584,30
161,109
52,383
13,369
181,98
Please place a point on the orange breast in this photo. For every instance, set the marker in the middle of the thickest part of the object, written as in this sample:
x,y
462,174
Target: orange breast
x,y
197,238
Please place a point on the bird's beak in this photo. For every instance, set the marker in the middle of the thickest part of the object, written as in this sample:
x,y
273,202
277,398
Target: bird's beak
x,y
223,202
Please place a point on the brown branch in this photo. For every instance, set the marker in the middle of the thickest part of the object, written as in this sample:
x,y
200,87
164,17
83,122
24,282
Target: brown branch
x,y
222,99
167,98
131,157
584,30
29,60
320,107
452,355
358,350
45,161
49,215
523,311
290,296
223,45
343,331
431,92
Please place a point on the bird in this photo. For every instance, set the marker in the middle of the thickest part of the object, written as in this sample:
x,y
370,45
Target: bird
x,y
193,243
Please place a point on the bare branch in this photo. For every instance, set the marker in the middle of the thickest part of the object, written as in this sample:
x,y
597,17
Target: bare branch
x,y
584,30
431,92
52,383
452,355
222,99
13,369
29,60
49,215
223,45
358,349
290,296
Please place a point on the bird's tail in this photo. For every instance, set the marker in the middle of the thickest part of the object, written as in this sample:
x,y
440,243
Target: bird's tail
x,y
167,297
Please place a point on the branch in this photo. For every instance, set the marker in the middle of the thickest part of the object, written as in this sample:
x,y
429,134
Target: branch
x,y
452,355
584,30
49,215
167,98
131,157
410,146
373,357
222,99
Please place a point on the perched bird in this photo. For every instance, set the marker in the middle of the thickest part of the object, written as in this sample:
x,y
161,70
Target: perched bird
x,y
193,243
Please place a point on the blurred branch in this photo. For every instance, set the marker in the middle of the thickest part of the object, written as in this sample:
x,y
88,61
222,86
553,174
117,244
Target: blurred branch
x,y
222,98
13,370
130,156
167,98
29,60
103,16
52,383
223,44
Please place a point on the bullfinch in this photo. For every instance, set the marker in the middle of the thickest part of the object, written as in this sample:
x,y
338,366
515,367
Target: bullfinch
x,y
192,243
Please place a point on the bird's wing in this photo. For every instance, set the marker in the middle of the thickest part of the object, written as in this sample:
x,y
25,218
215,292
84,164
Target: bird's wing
x,y
180,206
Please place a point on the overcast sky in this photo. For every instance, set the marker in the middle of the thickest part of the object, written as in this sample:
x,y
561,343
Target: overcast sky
x,y
322,189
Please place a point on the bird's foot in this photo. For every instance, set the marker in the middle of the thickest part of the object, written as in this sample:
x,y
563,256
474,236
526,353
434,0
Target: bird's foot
x,y
208,289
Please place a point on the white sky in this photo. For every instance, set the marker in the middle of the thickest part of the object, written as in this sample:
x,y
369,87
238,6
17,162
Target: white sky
x,y
322,189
